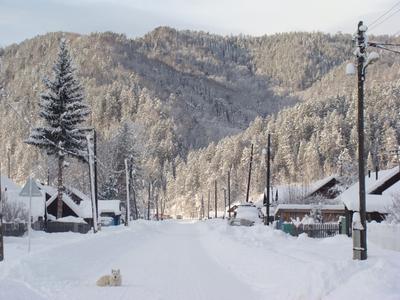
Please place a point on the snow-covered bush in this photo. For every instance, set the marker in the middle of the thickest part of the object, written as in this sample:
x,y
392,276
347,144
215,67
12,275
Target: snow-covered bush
x,y
14,212
316,214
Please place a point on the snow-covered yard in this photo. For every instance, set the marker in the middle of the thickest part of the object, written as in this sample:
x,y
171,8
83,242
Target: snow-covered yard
x,y
195,260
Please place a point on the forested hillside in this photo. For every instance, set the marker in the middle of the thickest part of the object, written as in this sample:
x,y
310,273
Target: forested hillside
x,y
315,138
170,93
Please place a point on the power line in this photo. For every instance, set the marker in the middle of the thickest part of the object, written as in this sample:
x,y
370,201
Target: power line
x,y
384,48
385,19
372,44
384,14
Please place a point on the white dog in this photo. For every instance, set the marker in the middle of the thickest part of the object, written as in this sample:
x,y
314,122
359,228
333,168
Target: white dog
x,y
114,279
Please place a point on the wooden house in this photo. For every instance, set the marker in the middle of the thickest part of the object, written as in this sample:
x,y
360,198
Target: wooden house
x,y
289,212
380,188
75,204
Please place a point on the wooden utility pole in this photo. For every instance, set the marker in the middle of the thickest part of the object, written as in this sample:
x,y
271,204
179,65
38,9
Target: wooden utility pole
x,y
132,187
135,204
8,164
127,206
215,199
248,181
202,208
92,187
268,201
157,211
360,247
229,194
1,221
223,217
95,173
148,202
208,204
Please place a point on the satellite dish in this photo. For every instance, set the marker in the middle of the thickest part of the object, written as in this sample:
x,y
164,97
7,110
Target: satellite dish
x,y
350,69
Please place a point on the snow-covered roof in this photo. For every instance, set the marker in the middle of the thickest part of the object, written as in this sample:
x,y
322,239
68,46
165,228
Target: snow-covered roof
x,y
316,185
374,203
78,193
109,206
48,189
289,192
383,176
83,210
8,183
308,207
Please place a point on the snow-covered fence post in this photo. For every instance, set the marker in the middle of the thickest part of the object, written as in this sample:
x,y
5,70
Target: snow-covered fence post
x,y
92,187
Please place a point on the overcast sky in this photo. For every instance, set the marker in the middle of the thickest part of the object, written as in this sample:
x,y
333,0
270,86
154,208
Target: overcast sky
x,y
21,19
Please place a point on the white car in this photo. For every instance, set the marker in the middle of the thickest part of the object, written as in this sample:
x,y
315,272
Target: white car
x,y
245,215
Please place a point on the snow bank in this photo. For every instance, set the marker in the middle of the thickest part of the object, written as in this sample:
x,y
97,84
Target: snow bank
x,y
279,266
385,235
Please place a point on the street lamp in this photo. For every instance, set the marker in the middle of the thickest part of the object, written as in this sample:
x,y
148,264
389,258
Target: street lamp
x,y
359,218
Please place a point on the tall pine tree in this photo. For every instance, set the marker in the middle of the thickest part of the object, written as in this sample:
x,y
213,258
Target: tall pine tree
x,y
63,111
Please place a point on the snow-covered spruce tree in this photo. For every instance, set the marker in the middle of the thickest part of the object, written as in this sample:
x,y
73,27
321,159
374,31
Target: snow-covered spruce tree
x,y
63,111
109,190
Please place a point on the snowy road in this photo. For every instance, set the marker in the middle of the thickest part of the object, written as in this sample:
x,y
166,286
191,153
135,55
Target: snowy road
x,y
159,262
171,260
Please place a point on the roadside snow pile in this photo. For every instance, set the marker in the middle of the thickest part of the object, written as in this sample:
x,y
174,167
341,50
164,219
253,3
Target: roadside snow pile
x,y
280,266
385,235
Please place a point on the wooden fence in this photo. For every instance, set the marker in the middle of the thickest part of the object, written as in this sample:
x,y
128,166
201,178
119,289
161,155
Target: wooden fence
x,y
67,226
317,230
14,229
321,230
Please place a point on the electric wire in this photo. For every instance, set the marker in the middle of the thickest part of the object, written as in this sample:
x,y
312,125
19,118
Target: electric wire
x,y
384,14
383,44
385,19
384,48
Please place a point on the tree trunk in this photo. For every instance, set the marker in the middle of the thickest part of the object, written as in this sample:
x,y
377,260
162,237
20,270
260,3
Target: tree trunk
x,y
135,205
157,211
148,203
60,187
